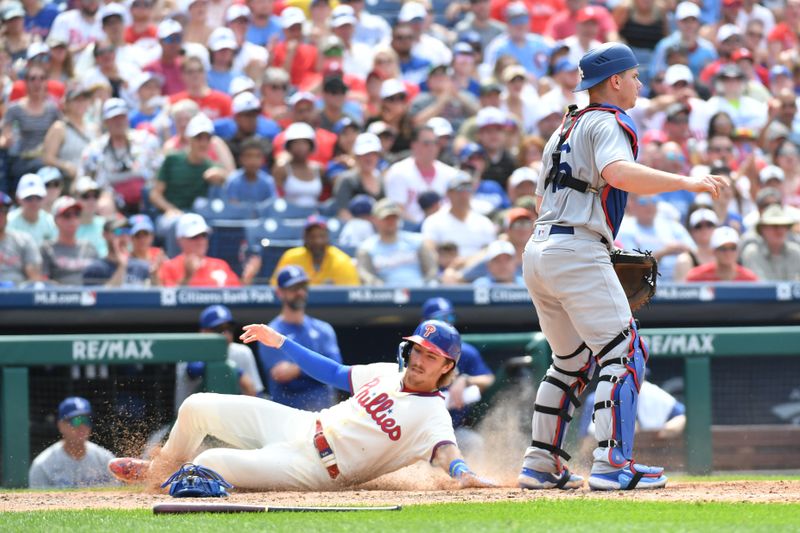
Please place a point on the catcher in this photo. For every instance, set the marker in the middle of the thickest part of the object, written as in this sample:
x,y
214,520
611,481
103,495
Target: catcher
x,y
567,265
393,419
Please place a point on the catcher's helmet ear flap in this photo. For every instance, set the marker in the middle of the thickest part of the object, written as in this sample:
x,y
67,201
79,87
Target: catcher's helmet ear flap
x,y
439,337
215,315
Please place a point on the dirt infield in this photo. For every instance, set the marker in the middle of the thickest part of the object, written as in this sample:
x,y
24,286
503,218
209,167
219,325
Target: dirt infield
x,y
731,491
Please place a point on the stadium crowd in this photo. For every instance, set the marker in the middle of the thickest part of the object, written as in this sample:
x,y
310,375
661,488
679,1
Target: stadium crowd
x,y
213,142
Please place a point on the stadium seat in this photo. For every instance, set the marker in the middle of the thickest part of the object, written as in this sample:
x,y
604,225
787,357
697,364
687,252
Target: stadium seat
x,y
219,210
281,209
228,241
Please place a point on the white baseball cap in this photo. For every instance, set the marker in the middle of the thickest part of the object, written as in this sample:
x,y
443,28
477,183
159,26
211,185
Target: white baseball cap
x,y
143,77
678,72
686,10
392,87
497,248
441,126
703,215
299,130
114,107
726,31
341,15
168,27
191,225
771,172
244,102
724,235
301,96
30,185
237,11
491,116
241,84
36,49
221,39
367,143
291,16
411,11
112,9
85,184
199,123
521,175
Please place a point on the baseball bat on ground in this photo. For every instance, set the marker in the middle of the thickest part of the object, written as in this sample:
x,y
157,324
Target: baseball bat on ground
x,y
181,508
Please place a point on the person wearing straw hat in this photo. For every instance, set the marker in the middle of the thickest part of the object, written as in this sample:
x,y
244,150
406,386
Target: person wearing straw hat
x,y
774,257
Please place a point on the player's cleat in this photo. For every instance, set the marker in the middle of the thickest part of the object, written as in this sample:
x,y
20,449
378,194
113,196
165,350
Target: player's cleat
x,y
129,469
631,477
533,479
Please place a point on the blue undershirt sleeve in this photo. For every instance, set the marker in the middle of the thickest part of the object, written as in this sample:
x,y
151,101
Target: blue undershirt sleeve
x,y
318,366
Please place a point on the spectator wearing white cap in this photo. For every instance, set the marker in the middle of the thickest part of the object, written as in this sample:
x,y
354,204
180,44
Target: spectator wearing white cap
x,y
303,109
298,178
531,50
357,56
418,15
420,172
444,132
80,26
247,122
149,106
492,124
265,27
29,217
700,51
193,267
364,178
745,111
86,191
196,28
501,263
679,85
298,59
65,258
250,59
20,260
274,88
394,113
729,38
724,266
121,160
17,40
66,139
170,39
702,222
214,104
127,59
222,48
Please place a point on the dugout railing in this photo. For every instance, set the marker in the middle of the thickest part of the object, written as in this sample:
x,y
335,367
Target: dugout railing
x,y
695,346
19,352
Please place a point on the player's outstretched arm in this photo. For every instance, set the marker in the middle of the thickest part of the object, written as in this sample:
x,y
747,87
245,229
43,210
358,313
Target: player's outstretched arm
x,y
312,363
640,179
448,458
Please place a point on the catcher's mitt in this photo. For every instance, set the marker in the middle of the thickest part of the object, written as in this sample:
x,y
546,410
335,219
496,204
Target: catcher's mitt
x,y
637,272
196,481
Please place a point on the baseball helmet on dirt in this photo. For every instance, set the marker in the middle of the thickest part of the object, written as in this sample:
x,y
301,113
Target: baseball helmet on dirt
x,y
603,62
214,316
439,337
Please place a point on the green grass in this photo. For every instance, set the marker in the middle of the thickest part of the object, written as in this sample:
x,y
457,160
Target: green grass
x,y
571,515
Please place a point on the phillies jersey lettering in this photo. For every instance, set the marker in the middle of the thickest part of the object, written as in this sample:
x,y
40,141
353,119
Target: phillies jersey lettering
x,y
378,408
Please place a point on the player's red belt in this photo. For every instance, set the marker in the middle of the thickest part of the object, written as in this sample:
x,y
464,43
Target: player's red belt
x,y
325,452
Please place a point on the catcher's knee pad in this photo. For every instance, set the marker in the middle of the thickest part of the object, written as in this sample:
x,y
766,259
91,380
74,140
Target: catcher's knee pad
x,y
621,375
558,396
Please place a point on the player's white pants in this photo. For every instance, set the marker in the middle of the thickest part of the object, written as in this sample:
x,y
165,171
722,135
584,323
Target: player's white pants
x,y
578,299
274,442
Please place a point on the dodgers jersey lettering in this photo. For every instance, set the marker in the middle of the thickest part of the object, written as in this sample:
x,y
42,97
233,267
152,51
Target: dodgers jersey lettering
x,y
383,428
598,140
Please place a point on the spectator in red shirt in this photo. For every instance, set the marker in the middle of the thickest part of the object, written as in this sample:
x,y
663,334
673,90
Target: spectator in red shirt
x,y
213,104
303,108
193,267
540,11
725,242
142,26
170,37
293,55
563,23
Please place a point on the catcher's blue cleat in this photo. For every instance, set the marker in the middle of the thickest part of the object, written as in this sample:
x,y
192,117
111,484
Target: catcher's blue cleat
x,y
631,477
196,481
533,479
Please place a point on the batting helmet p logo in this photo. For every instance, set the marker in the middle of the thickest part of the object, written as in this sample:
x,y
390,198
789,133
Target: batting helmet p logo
x,y
429,330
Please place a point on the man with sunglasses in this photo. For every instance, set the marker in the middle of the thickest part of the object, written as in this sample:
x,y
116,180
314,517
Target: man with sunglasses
x,y
65,259
118,268
189,375
168,67
725,267
20,259
73,461
30,218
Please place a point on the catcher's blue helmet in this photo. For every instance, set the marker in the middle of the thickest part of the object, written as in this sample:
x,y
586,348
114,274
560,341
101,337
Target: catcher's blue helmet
x,y
603,62
439,309
439,337
214,316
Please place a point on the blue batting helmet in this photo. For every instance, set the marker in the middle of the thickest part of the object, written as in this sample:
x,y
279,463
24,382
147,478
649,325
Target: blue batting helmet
x,y
439,337
603,62
439,309
214,316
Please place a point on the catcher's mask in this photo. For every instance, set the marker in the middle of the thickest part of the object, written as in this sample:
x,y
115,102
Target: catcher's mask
x,y
435,335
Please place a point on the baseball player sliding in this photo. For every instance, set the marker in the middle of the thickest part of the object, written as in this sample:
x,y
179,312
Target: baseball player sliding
x,y
582,309
393,419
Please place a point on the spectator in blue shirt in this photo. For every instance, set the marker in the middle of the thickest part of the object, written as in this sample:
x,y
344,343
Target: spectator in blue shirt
x,y
246,122
288,384
532,51
39,17
414,69
701,52
264,26
250,183
118,268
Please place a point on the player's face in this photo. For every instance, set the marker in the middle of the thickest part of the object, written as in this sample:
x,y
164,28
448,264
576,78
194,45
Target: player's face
x,y
425,367
629,87
295,297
